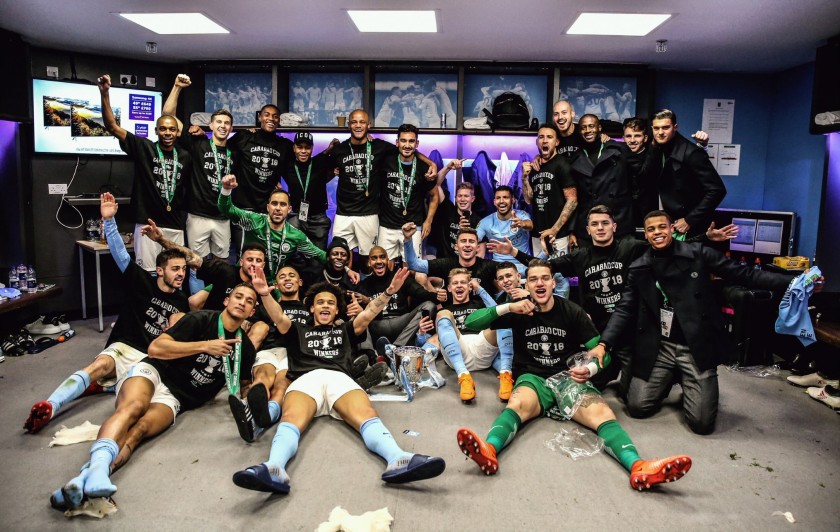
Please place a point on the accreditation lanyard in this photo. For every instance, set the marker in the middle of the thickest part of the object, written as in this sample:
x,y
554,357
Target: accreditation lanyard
x,y
305,187
268,244
368,165
168,184
232,374
219,173
404,199
664,295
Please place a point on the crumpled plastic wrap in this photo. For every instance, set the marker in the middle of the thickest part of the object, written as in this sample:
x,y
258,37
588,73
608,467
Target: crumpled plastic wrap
x,y
575,443
87,431
98,507
756,371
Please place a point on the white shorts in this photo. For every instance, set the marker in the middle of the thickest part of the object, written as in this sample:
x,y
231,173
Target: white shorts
x,y
208,235
392,240
359,231
162,394
146,250
561,246
124,357
478,353
276,356
325,387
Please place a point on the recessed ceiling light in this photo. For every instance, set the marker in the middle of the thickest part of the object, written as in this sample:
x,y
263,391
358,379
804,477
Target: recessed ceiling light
x,y
379,20
630,24
175,23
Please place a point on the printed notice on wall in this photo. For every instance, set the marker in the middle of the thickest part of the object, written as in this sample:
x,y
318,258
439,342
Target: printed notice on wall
x,y
718,119
728,159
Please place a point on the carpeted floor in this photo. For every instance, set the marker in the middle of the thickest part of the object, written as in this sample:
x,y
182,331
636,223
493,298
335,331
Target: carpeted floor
x,y
775,449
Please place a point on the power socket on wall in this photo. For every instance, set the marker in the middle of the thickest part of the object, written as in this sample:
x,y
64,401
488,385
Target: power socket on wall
x,y
52,72
57,188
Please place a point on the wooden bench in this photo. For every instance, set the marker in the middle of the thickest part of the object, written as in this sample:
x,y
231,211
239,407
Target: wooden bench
x,y
828,332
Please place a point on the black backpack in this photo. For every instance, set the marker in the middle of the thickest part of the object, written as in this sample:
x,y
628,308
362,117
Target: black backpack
x,y
509,112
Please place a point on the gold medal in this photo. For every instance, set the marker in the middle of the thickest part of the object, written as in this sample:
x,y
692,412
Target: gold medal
x,y
405,212
367,193
169,208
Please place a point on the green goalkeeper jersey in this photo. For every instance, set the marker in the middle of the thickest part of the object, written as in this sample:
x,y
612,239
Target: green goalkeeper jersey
x,y
279,245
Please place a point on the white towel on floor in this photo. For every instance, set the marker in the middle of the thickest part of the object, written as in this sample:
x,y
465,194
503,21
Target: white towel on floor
x,y
341,520
87,431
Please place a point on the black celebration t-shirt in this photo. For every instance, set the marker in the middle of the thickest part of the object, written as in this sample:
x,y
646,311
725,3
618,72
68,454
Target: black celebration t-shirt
x,y
547,184
320,347
146,310
294,309
157,185
445,228
409,197
358,190
223,277
196,379
209,166
543,342
570,145
259,160
461,312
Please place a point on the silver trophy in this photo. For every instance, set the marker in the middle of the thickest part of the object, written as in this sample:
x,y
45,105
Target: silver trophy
x,y
412,364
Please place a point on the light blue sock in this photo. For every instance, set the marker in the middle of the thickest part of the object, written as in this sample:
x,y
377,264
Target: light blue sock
x,y
284,445
378,439
274,411
448,339
70,389
102,454
430,345
196,284
504,337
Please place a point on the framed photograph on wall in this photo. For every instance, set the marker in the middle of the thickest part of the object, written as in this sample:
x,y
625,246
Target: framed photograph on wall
x,y
241,93
325,98
481,90
607,97
428,100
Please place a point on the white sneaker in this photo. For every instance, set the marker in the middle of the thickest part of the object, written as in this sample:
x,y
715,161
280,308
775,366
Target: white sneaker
x,y
39,327
813,379
827,394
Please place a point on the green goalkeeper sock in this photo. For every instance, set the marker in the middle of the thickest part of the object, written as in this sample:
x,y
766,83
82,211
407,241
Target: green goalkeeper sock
x,y
618,444
504,429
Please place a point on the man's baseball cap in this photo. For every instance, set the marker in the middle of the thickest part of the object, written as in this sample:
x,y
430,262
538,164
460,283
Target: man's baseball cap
x,y
303,137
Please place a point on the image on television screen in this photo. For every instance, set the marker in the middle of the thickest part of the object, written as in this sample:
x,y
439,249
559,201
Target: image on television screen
x,y
57,110
87,120
71,122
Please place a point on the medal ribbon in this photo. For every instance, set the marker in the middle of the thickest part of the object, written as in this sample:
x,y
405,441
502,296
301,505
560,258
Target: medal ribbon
x,y
219,174
405,199
168,186
232,374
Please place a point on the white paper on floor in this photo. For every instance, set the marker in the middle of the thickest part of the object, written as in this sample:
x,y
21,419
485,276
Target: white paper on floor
x,y
87,431
786,515
98,507
340,520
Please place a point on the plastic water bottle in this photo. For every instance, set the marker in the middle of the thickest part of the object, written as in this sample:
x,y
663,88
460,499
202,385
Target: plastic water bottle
x,y
13,278
21,273
31,281
743,261
757,265
90,230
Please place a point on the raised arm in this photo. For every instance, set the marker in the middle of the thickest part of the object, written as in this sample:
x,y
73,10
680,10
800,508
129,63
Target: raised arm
x,y
170,106
418,265
275,311
228,209
434,201
108,209
104,84
527,191
361,322
432,172
152,232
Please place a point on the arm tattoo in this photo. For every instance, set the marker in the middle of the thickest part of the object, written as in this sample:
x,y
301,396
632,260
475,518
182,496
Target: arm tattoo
x,y
568,209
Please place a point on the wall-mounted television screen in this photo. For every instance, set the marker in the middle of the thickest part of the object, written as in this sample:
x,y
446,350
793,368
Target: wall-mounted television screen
x,y
68,117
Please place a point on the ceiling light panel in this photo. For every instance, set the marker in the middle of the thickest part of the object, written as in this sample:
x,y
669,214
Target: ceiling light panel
x,y
175,23
625,24
390,21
